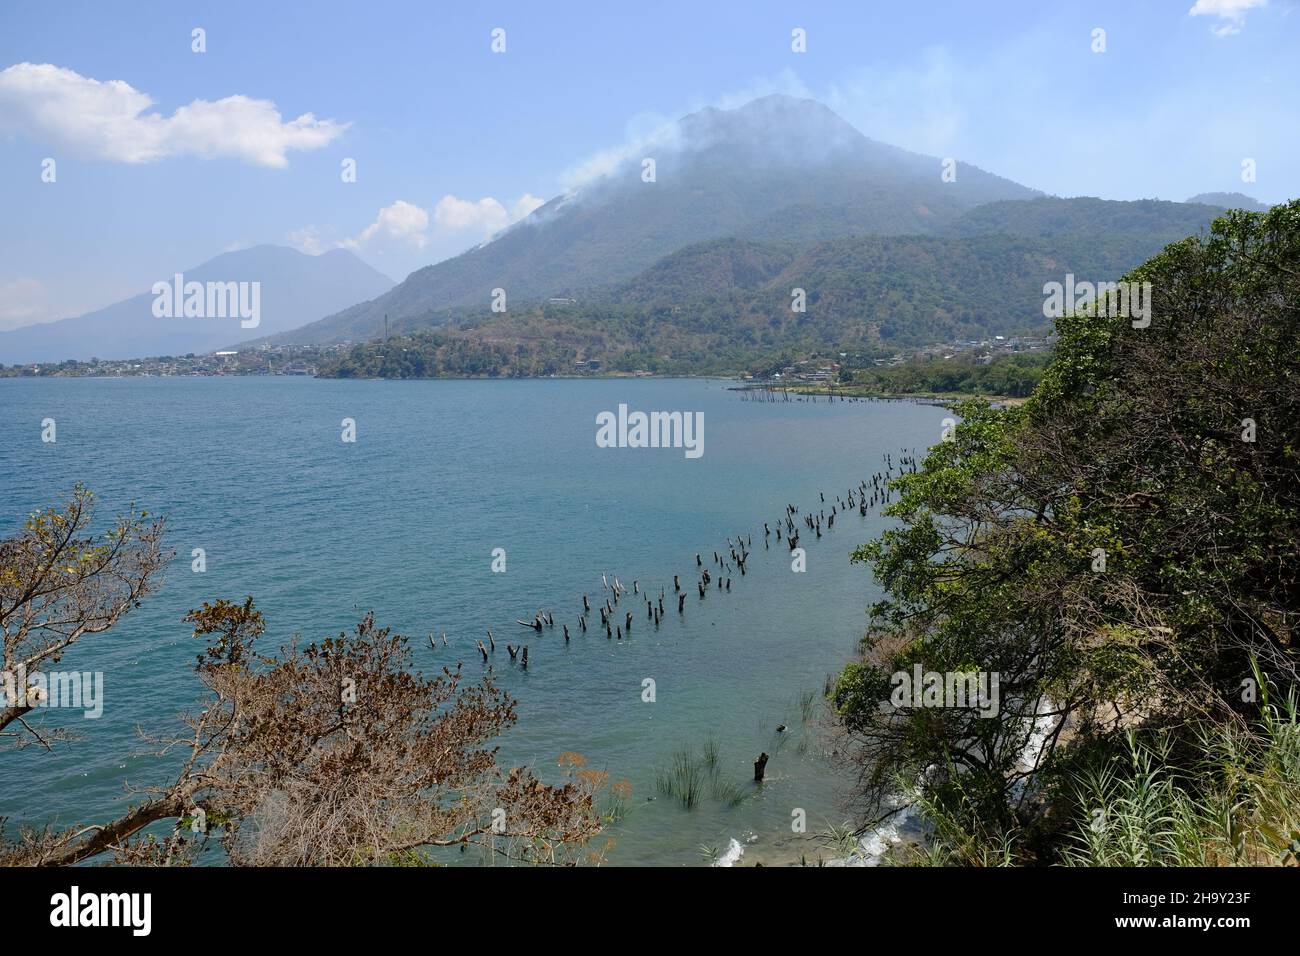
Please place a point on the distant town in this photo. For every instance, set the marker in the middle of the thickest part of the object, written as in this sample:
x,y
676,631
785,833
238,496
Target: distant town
x,y
305,361
272,360
984,352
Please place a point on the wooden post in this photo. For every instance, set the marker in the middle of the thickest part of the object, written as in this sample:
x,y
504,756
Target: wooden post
x,y
760,766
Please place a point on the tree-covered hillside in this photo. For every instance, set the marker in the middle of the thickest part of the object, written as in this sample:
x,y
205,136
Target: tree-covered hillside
x,y
728,305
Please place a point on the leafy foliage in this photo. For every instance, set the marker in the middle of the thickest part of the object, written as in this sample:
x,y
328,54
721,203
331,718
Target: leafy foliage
x,y
1120,549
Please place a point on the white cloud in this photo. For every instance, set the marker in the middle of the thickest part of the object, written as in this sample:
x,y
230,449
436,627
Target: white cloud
x,y
460,218
525,206
487,215
308,239
454,220
108,120
1233,11
403,222
22,302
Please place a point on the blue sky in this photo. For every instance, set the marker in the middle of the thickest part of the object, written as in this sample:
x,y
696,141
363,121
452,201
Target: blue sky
x,y
163,169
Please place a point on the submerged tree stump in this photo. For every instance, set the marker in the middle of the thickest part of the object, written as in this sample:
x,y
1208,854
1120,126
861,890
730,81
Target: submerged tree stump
x,y
760,765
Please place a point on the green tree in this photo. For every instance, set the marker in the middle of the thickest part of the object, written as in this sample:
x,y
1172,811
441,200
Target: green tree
x,y
1120,549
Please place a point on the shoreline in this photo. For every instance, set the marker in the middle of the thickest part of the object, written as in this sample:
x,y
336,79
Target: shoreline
x,y
736,385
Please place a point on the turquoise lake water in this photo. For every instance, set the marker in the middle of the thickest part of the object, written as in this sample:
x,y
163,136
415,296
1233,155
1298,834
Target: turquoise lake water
x,y
404,522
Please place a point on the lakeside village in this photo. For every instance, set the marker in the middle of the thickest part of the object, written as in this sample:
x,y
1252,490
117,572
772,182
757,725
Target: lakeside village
x,y
272,360
814,371
304,361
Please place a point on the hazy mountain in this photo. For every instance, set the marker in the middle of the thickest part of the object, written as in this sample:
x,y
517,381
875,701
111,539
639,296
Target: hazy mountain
x,y
775,169
1230,201
295,288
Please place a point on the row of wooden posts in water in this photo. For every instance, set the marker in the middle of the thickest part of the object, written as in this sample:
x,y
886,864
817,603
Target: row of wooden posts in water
x,y
867,494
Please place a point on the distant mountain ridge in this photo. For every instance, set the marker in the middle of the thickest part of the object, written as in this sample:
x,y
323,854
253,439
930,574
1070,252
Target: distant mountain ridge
x,y
1231,201
295,288
1153,221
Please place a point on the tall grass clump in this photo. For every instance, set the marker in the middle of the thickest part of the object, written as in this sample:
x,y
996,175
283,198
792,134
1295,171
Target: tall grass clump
x,y
1238,805
691,776
808,703
683,778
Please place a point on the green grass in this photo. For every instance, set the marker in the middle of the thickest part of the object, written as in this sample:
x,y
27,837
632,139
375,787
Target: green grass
x,y
1236,802
690,777
683,779
710,752
727,792
1240,806
808,706
841,839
